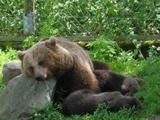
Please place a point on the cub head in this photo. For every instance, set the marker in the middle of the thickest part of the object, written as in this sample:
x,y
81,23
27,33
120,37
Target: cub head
x,y
130,86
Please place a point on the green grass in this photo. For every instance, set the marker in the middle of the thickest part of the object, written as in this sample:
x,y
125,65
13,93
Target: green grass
x,y
148,70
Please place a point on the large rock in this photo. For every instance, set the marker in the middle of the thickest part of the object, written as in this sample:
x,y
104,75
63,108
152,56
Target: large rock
x,y
11,70
21,94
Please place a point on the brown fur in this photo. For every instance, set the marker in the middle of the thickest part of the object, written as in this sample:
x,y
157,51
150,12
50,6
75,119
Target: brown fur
x,y
85,101
111,81
62,59
99,65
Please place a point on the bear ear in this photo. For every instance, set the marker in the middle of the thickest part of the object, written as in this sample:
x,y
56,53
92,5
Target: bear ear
x,y
51,43
21,54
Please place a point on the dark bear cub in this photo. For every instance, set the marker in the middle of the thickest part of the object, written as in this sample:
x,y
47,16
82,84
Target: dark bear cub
x,y
112,81
100,65
85,101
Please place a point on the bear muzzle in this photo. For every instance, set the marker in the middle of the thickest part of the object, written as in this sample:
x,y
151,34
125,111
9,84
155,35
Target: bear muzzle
x,y
41,77
40,73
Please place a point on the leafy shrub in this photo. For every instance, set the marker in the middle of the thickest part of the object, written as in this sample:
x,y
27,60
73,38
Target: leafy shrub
x,y
28,42
68,17
154,51
103,49
7,55
11,13
111,17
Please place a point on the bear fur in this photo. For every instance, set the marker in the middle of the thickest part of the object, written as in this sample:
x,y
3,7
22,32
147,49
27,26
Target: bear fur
x,y
112,81
85,101
62,59
100,65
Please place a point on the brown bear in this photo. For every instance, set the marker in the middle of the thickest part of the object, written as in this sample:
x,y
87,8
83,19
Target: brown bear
x,y
112,81
61,93
100,65
85,101
62,59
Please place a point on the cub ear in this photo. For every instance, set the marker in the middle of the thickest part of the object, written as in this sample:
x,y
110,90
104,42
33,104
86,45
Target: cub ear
x,y
21,54
51,43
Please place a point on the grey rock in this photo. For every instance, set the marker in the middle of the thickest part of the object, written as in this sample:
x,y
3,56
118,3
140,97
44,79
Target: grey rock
x,y
11,70
155,117
22,94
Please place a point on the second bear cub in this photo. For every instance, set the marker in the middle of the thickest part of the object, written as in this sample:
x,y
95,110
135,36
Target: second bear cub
x,y
112,81
85,101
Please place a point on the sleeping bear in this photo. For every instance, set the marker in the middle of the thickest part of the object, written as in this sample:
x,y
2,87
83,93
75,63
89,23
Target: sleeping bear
x,y
65,60
112,81
85,101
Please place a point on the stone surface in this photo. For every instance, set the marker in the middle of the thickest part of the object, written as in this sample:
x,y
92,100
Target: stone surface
x,y
22,94
11,70
155,117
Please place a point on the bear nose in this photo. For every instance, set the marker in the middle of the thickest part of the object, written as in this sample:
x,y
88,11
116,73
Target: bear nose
x,y
38,78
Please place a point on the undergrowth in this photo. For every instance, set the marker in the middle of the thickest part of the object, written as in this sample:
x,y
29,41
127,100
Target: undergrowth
x,y
122,62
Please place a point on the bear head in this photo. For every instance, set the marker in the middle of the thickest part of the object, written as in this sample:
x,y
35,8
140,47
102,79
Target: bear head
x,y
44,59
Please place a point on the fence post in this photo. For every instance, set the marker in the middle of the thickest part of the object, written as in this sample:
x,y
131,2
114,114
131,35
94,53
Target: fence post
x,y
29,17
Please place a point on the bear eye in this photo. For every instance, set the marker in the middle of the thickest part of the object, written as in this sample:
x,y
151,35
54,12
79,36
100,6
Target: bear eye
x,y
41,63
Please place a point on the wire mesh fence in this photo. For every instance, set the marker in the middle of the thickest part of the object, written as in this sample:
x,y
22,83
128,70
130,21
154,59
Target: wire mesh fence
x,y
83,17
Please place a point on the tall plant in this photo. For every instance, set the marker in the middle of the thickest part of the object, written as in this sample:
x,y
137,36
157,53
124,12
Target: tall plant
x,y
103,48
89,17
